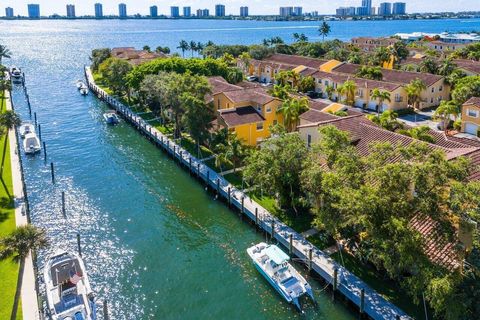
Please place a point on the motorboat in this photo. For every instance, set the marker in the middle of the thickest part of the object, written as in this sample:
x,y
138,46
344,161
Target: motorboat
x,y
80,84
111,117
26,128
84,90
69,295
16,74
274,265
31,143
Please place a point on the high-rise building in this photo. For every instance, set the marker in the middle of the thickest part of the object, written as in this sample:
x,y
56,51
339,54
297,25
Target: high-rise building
x,y
122,10
385,9
187,12
70,11
174,12
153,11
205,13
346,11
243,11
98,10
219,10
9,12
34,11
399,8
297,11
286,11
362,11
367,4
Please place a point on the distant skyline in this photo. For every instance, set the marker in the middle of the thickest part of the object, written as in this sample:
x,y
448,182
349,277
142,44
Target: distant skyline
x,y
256,7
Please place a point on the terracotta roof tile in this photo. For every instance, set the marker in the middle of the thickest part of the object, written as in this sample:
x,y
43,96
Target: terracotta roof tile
x,y
256,95
241,115
473,101
295,60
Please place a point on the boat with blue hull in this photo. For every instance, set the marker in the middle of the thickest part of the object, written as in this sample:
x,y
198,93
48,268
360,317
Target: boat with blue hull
x,y
274,265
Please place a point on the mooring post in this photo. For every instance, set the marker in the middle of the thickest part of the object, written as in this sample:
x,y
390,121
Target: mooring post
x,y
198,169
63,204
44,151
310,258
229,196
39,131
218,186
290,248
35,117
362,301
78,245
105,310
190,164
181,157
53,172
335,282
397,317
174,150
256,217
208,178
243,204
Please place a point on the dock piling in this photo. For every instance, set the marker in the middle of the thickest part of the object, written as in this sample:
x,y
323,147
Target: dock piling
x,y
229,196
39,131
218,187
105,310
208,179
310,259
63,204
272,226
243,204
198,169
362,301
44,151
290,248
52,172
78,245
256,216
35,117
335,282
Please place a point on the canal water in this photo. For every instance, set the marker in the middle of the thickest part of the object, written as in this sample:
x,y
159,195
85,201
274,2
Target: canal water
x,y
156,245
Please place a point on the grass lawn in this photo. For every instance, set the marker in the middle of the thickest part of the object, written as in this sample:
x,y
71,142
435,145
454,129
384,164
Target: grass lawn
x,y
8,269
188,144
300,222
235,179
386,287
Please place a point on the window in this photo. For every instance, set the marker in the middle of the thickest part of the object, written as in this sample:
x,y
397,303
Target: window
x,y
431,100
360,93
259,109
433,89
218,104
309,140
268,109
326,82
398,97
440,89
472,113
319,81
259,126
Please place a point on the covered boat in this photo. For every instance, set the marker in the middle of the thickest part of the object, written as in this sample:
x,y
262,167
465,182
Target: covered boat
x,y
273,264
84,90
26,128
31,143
69,295
111,117
16,74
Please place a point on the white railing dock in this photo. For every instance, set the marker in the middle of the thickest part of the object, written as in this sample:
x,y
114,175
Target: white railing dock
x,y
353,288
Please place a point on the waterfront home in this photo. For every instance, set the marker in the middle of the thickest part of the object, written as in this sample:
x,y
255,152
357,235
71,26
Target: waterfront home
x,y
471,116
370,44
469,67
436,87
246,109
438,45
134,56
446,37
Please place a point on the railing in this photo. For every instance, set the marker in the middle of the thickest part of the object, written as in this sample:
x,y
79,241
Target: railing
x,y
347,283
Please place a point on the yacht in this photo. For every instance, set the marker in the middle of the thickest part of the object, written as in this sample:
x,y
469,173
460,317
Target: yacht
x,y
111,117
84,90
31,143
273,264
16,74
26,128
69,295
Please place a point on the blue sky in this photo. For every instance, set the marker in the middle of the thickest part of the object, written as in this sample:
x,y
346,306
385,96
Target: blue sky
x,y
232,6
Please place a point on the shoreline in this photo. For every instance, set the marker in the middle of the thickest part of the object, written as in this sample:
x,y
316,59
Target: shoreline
x,y
29,293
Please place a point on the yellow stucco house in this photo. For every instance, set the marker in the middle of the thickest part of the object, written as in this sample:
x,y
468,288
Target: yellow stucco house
x,y
247,110
471,116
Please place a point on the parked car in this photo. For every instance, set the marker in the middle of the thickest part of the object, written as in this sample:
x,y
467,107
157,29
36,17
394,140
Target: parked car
x,y
252,78
313,94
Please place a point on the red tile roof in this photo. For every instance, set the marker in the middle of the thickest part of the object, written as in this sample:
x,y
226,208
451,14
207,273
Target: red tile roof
x,y
315,116
239,116
473,101
469,65
361,83
255,95
295,60
396,76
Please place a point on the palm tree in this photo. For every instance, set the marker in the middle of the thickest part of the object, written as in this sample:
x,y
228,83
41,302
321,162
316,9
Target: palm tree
x,y
348,89
447,67
296,36
18,245
291,110
4,53
280,91
414,92
5,85
245,58
382,55
200,47
184,47
324,30
282,78
9,119
428,65
193,47
230,151
387,120
329,90
303,38
294,77
445,111
381,96
421,133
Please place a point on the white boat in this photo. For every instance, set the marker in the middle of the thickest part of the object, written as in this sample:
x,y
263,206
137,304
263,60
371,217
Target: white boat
x,y
84,90
16,74
111,117
31,143
80,84
26,128
273,264
69,295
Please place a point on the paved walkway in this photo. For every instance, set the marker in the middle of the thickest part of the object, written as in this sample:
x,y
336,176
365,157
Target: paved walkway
x,y
29,294
230,171
310,232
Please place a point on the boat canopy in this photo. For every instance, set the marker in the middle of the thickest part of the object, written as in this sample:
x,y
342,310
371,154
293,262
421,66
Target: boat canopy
x,y
276,255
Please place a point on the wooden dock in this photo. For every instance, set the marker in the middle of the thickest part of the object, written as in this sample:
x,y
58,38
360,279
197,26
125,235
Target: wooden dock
x,y
352,287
